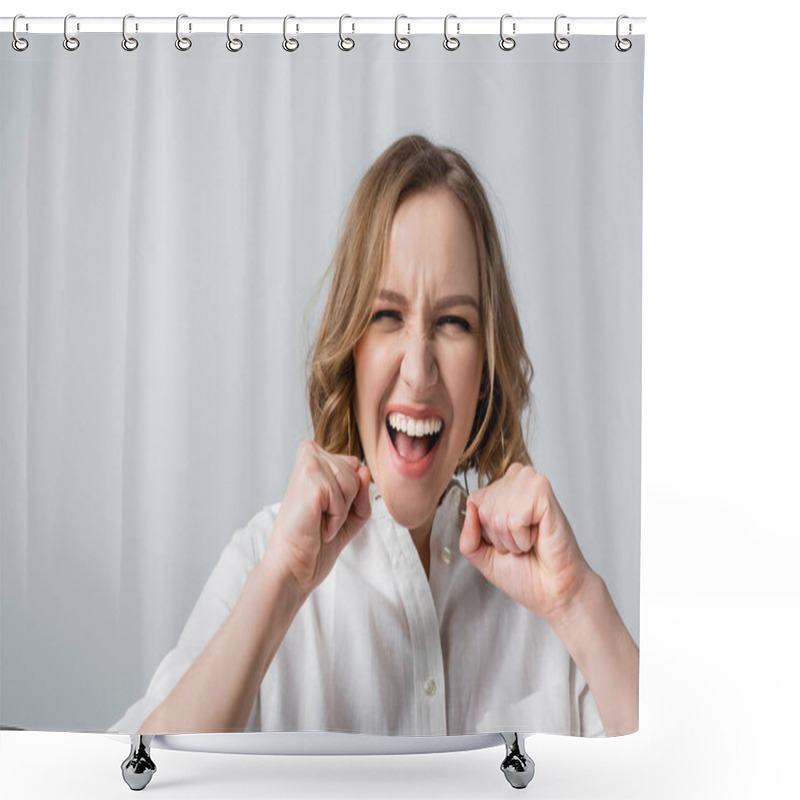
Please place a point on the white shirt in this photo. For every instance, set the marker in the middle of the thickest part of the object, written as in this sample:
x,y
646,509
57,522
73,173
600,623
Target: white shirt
x,y
378,648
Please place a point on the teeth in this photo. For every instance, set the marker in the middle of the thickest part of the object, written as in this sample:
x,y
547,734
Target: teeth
x,y
414,427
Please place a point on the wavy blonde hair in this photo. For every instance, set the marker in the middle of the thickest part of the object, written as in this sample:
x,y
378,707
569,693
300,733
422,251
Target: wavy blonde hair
x,y
409,165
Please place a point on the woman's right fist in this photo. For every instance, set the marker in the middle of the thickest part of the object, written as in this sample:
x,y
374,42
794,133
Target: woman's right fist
x,y
325,506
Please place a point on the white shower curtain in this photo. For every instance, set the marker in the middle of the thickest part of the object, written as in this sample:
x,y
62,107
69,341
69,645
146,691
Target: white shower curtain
x,y
167,218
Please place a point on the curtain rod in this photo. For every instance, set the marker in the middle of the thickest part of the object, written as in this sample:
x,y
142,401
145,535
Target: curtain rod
x,y
462,26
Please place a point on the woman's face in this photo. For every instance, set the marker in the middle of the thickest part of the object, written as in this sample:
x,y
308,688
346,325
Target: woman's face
x,y
418,366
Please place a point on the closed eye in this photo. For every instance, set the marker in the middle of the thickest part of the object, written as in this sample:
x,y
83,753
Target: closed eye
x,y
385,313
449,319
452,320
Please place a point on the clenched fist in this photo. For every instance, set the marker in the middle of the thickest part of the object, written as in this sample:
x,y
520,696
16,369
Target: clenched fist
x,y
325,506
516,534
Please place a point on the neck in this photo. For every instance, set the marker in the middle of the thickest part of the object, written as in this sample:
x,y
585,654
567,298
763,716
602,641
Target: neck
x,y
422,541
421,537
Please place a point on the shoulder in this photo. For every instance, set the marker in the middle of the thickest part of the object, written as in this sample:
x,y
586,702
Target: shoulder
x,y
250,541
242,552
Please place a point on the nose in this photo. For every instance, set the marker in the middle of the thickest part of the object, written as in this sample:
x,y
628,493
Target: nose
x,y
418,368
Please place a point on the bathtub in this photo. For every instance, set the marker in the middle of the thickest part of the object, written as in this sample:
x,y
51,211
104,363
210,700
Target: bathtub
x,y
139,767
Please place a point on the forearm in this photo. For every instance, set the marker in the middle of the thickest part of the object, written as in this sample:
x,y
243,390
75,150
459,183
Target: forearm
x,y
598,641
217,692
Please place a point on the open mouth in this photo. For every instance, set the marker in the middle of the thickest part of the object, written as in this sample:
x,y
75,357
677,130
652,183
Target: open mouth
x,y
413,439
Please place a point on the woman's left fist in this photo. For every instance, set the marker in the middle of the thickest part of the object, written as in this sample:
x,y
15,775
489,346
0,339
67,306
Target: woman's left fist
x,y
516,534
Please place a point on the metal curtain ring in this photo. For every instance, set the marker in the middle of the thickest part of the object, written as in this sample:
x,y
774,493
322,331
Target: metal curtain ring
x,y
128,42
561,43
507,42
70,42
400,42
451,42
234,45
18,43
623,45
345,42
290,45
182,42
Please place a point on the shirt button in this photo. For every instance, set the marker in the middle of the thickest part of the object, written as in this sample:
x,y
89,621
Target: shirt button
x,y
430,687
447,556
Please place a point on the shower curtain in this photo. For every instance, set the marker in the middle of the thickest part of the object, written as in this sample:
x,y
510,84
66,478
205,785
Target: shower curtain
x,y
168,216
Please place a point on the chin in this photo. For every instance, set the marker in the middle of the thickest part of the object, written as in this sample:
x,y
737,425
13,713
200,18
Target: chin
x,y
408,516
412,507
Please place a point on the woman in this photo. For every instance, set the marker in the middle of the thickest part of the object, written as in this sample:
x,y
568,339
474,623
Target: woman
x,y
378,597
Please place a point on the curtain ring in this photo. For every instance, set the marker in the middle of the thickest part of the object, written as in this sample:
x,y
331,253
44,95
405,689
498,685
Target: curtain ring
x,y
289,45
70,42
18,43
181,42
561,43
234,45
451,42
345,42
400,42
128,42
507,42
623,45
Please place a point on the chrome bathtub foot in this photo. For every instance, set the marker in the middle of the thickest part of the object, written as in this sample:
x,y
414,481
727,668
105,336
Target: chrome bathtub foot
x,y
138,767
517,766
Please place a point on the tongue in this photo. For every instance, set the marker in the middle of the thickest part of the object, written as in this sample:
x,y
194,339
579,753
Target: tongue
x,y
411,448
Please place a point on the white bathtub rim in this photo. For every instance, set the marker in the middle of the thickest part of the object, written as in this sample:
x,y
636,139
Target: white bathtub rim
x,y
321,743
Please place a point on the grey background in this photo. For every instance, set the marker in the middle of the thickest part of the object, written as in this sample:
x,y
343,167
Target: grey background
x,y
165,219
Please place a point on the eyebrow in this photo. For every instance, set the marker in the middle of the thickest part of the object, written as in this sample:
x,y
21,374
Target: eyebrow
x,y
442,302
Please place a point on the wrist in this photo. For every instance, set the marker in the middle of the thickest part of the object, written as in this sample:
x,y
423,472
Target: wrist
x,y
271,578
590,595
